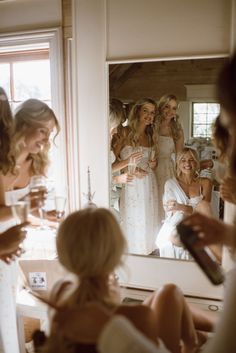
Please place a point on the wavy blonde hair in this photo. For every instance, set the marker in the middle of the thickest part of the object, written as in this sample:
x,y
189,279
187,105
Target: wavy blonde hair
x,y
6,128
175,125
90,244
134,120
30,115
194,155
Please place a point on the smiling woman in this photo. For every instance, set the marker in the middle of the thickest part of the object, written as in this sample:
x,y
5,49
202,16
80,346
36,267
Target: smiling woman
x,y
138,199
34,122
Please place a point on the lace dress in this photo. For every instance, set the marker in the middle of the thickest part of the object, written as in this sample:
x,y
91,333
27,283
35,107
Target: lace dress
x,y
164,171
138,207
8,280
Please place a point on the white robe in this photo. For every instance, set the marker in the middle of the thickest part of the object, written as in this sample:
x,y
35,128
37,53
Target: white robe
x,y
173,191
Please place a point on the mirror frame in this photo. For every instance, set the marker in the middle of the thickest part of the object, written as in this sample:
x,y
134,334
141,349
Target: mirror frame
x,y
163,270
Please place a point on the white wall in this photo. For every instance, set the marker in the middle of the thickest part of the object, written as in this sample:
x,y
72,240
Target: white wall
x,y
152,28
29,14
89,75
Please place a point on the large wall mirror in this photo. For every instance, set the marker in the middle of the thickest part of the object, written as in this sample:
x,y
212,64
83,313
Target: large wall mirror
x,y
192,82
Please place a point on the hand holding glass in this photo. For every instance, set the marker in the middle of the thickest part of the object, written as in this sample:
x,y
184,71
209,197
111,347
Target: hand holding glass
x,y
38,191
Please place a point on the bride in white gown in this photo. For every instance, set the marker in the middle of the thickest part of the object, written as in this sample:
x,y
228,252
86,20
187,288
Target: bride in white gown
x,y
138,200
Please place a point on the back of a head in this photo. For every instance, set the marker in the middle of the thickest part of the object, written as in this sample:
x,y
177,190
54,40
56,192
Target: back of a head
x,y
226,89
90,243
117,113
6,118
226,86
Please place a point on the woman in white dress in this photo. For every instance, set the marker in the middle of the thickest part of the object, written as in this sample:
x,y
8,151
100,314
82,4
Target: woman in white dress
x,y
170,142
183,195
138,201
119,168
34,121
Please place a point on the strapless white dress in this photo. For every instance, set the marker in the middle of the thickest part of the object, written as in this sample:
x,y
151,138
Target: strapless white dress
x,y
8,281
138,207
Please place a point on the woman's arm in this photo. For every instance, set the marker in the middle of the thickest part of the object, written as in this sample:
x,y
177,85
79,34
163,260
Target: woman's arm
x,y
179,144
5,211
174,206
121,164
206,188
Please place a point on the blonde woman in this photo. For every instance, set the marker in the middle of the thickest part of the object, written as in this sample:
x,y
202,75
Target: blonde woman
x,y
183,195
90,244
34,122
138,201
28,155
170,142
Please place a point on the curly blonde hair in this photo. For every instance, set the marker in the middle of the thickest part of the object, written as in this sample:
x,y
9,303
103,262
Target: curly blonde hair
x,y
6,128
195,157
90,244
175,125
133,124
32,114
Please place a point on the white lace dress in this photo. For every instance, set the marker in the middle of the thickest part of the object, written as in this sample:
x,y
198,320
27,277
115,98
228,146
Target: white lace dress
x,y
138,207
8,281
164,171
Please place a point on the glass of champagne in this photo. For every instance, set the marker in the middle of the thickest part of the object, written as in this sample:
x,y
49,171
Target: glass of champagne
x,y
60,204
20,211
152,154
38,190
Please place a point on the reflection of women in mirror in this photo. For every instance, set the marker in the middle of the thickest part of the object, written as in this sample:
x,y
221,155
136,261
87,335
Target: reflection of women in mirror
x,y
27,156
138,202
183,195
170,142
90,244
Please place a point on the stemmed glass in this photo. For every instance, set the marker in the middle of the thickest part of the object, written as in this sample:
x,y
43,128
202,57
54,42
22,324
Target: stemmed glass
x,y
20,211
60,204
38,190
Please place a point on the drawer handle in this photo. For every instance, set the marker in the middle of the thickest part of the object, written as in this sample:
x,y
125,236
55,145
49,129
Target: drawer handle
x,y
213,307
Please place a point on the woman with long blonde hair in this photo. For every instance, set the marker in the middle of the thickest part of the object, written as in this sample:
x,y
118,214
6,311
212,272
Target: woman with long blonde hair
x,y
138,201
27,155
183,195
91,245
170,142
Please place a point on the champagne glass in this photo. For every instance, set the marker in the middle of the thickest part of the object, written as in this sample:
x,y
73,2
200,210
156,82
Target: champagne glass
x,y
60,204
131,167
38,191
20,211
152,154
